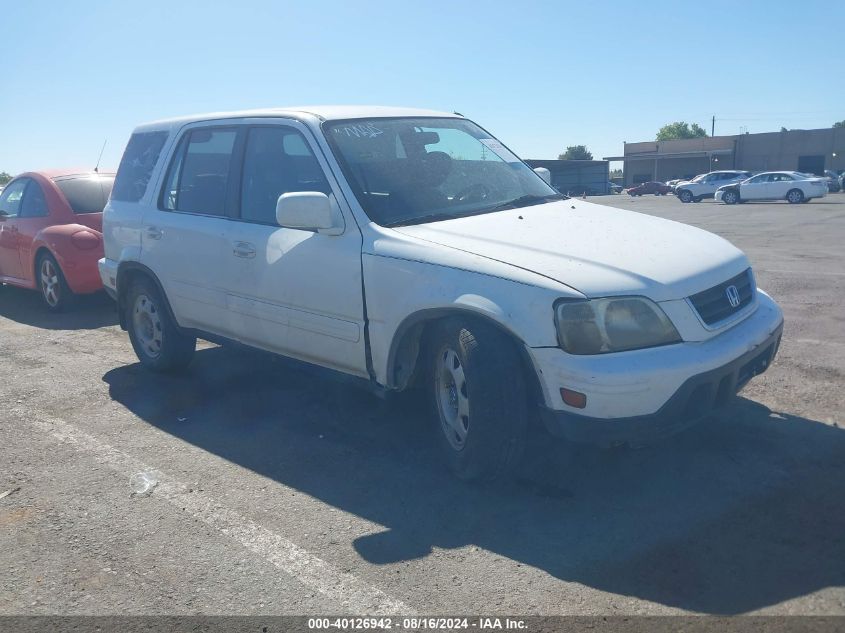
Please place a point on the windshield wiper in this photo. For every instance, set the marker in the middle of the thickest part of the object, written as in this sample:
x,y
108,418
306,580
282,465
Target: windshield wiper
x,y
421,219
524,201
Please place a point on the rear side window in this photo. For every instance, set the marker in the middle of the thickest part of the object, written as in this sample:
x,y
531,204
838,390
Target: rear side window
x,y
136,166
277,160
34,203
87,194
198,177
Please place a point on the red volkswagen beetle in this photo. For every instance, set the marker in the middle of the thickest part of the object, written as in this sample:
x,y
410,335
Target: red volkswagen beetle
x,y
51,233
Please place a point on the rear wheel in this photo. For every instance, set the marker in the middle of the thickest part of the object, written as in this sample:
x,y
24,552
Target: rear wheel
x,y
155,337
685,196
479,396
795,196
55,292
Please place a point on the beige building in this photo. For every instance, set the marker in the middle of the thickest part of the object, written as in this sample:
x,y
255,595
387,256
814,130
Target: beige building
x,y
810,151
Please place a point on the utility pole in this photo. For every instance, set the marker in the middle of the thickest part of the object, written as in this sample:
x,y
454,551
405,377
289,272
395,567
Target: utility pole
x,y
713,126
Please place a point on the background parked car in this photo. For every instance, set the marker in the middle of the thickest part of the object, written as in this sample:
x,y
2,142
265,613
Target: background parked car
x,y
653,187
613,187
792,186
51,233
705,186
834,183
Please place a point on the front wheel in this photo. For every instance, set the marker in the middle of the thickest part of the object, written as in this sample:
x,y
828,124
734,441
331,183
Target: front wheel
x,y
479,396
795,196
55,292
685,196
155,337
730,197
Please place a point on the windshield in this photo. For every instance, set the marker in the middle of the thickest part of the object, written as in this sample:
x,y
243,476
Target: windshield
x,y
412,170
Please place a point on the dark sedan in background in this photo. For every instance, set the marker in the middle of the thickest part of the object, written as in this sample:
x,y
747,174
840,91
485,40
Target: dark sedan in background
x,y
656,188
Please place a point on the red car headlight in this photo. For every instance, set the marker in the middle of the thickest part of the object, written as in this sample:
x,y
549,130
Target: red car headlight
x,y
85,240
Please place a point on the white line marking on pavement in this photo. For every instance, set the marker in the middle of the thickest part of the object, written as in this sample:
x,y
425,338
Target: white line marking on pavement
x,y
345,588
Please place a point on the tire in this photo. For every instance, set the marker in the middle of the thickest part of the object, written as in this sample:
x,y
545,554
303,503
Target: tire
x,y
55,293
697,199
479,395
155,337
730,197
684,195
795,196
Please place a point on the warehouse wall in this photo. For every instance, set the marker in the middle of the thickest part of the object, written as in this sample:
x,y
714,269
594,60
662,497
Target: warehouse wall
x,y
577,176
802,150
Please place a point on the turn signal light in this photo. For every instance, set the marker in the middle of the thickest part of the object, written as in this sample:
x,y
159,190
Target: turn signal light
x,y
573,398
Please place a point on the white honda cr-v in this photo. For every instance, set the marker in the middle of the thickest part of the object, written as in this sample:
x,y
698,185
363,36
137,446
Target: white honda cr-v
x,y
408,247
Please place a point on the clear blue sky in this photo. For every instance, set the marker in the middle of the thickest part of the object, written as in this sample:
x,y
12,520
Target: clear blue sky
x,y
539,75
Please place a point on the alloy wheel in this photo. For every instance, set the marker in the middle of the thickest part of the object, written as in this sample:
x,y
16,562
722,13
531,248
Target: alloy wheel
x,y
50,286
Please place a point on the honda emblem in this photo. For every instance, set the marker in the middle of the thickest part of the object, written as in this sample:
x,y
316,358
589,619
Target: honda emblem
x,y
733,296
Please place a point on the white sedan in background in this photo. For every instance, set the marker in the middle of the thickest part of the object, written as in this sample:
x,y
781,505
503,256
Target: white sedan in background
x,y
792,186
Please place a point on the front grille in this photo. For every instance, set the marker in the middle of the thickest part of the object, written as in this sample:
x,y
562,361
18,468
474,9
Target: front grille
x,y
713,304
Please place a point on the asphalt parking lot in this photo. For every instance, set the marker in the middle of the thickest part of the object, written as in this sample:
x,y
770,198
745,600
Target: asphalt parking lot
x,y
283,492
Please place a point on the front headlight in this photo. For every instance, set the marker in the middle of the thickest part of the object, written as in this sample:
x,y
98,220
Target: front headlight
x,y
614,324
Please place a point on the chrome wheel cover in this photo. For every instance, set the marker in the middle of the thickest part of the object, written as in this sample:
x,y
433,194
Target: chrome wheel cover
x,y
452,399
146,322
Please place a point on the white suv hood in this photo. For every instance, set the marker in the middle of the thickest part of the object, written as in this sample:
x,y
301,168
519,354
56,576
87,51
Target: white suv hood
x,y
597,250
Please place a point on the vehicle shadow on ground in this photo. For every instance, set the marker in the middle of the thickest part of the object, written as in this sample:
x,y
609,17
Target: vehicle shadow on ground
x,y
739,513
87,312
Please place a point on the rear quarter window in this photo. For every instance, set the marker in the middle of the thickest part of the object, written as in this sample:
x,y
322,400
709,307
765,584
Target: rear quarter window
x,y
86,194
136,166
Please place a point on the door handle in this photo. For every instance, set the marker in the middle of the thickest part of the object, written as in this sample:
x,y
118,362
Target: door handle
x,y
154,233
244,249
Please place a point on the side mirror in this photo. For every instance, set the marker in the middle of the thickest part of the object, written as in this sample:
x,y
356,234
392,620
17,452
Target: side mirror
x,y
310,211
544,173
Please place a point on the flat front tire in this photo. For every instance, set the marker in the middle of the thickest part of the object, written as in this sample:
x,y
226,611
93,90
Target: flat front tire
x,y
156,339
478,392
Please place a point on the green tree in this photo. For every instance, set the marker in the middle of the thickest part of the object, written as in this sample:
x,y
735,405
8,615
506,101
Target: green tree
x,y
576,152
839,124
615,173
680,129
4,177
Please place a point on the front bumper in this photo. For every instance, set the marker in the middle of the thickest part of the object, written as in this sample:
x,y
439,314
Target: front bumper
x,y
718,196
634,396
698,396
